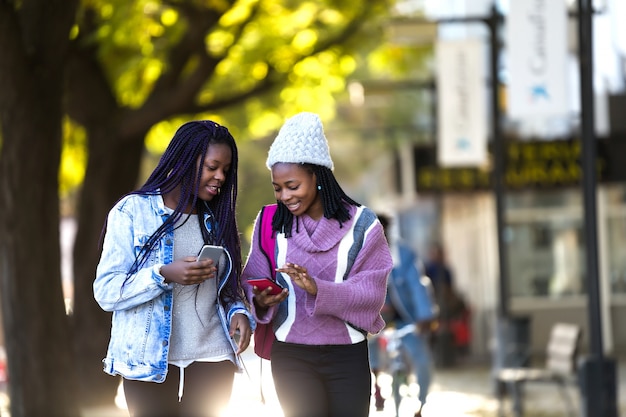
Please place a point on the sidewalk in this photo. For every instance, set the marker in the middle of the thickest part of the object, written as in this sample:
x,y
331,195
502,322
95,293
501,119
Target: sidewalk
x,y
465,390
468,390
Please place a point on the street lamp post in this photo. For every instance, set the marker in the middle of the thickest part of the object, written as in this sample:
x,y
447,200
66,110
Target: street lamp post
x,y
597,373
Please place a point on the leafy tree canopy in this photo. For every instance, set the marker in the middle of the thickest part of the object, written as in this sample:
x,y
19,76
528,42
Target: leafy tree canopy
x,y
246,64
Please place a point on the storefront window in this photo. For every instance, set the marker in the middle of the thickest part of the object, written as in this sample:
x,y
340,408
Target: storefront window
x,y
545,244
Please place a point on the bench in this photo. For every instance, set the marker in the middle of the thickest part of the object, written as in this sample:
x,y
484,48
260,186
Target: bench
x,y
560,369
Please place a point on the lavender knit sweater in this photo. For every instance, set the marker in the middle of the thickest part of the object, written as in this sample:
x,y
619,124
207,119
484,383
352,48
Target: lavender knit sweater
x,y
350,266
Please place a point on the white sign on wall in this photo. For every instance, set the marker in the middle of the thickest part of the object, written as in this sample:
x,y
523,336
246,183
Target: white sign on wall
x,y
461,103
536,45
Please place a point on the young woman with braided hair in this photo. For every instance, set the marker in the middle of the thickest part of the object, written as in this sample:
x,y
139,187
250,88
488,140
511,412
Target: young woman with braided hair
x,y
175,317
333,264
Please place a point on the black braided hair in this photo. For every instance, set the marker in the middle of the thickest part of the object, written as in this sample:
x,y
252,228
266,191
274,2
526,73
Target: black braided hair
x,y
332,195
178,166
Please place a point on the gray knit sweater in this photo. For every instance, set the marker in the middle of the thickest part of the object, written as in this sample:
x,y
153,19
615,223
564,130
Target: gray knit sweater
x,y
196,329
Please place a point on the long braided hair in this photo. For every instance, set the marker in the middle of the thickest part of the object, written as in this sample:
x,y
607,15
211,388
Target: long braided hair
x,y
333,200
178,167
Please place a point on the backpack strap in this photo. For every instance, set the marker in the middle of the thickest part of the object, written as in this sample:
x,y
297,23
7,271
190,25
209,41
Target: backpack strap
x,y
267,239
264,336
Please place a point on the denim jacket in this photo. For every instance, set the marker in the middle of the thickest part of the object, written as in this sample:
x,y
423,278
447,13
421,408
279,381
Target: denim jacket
x,y
142,305
408,290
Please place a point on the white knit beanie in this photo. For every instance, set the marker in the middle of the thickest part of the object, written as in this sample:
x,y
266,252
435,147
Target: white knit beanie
x,y
301,140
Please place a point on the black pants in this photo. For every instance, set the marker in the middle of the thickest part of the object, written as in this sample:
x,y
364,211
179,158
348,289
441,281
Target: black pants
x,y
207,390
322,381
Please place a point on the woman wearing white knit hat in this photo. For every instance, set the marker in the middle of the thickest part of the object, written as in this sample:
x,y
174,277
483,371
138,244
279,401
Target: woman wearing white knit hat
x,y
333,265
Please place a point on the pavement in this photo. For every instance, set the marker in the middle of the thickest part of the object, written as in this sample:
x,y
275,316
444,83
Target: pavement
x,y
466,389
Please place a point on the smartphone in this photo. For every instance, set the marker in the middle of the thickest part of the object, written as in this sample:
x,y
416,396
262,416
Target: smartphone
x,y
263,283
210,252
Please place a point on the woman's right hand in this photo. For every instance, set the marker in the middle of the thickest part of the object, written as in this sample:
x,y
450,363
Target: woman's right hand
x,y
189,271
264,299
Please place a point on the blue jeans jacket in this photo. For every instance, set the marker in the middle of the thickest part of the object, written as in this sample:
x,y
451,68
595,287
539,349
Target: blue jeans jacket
x,y
408,289
142,305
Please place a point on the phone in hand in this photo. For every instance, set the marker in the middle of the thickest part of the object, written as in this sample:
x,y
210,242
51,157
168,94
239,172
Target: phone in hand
x,y
264,282
210,252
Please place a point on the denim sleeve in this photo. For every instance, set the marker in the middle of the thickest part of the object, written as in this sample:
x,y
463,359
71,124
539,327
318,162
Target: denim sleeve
x,y
113,288
422,298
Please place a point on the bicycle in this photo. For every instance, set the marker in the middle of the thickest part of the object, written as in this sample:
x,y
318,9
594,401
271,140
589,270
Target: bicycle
x,y
391,361
398,365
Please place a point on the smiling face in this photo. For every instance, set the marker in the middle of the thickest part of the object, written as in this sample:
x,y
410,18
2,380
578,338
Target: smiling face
x,y
296,187
214,169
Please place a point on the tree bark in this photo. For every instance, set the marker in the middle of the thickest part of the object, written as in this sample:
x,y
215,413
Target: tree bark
x,y
41,375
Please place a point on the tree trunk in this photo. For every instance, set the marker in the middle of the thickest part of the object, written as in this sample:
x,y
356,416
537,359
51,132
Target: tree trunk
x,y
113,169
41,372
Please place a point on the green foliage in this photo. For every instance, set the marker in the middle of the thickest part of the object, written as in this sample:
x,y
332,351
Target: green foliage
x,y
248,42
303,50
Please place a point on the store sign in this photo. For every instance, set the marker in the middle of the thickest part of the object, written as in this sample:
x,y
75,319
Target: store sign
x,y
541,164
461,101
536,47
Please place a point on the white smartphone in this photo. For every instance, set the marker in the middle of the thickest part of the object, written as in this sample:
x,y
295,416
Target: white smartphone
x,y
211,252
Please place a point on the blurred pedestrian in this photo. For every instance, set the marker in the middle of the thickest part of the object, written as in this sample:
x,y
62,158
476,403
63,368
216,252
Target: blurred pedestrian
x,y
175,318
410,302
453,334
437,269
333,262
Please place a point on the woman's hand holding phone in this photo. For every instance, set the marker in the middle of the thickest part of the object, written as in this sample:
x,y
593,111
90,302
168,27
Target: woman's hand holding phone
x,y
263,283
267,292
193,270
188,271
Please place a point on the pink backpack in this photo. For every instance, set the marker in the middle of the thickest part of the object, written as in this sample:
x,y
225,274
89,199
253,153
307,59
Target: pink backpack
x,y
264,334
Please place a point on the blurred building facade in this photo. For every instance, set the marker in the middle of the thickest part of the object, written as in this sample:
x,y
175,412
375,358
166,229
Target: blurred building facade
x,y
543,199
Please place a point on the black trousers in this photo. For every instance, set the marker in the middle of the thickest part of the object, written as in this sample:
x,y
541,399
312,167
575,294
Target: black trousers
x,y
207,390
322,381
